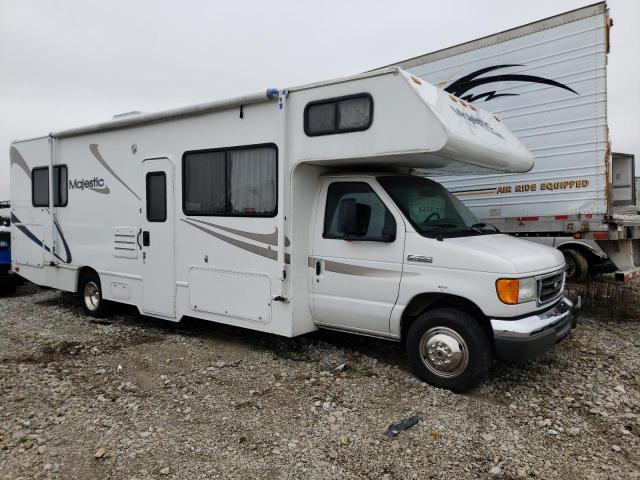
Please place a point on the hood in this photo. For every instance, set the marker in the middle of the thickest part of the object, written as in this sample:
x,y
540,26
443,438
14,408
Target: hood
x,y
498,253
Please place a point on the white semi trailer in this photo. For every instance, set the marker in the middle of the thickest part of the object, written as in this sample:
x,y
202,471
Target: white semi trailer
x,y
293,210
547,81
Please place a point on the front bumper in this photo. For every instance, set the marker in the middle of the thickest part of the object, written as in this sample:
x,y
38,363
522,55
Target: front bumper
x,y
526,338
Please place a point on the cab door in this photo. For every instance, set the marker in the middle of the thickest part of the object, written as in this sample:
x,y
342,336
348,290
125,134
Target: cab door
x,y
357,254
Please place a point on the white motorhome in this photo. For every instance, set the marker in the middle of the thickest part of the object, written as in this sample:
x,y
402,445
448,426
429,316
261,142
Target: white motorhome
x,y
547,81
293,210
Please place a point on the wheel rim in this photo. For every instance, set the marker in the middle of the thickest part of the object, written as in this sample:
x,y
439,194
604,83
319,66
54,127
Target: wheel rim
x,y
444,352
570,267
91,296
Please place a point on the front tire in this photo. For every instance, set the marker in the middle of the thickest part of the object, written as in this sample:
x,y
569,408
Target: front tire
x,y
449,349
93,304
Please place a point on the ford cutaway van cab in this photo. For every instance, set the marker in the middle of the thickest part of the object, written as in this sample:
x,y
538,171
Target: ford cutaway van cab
x,y
294,210
456,290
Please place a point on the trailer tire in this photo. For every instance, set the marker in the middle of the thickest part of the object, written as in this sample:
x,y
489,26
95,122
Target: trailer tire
x,y
577,265
90,290
448,348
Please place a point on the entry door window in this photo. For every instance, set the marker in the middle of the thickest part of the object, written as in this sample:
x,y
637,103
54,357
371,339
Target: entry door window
x,y
156,197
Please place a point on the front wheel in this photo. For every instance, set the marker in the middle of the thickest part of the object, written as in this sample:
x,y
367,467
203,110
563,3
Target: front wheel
x,y
91,296
449,349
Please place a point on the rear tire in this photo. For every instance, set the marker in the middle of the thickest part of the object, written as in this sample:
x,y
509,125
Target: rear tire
x,y
449,349
90,291
577,265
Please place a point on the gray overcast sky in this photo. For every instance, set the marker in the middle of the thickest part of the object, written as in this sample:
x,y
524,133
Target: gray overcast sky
x,y
65,64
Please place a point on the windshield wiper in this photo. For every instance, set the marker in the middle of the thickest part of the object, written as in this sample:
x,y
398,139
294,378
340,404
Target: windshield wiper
x,y
480,225
455,225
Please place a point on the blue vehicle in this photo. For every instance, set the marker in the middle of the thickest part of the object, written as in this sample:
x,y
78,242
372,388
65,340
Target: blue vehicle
x,y
8,280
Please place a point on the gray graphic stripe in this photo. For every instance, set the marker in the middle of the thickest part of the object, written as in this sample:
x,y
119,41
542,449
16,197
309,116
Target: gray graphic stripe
x,y
356,270
269,238
94,149
263,252
103,190
17,159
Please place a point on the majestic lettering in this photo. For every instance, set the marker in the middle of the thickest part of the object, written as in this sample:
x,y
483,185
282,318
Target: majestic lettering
x,y
82,183
475,120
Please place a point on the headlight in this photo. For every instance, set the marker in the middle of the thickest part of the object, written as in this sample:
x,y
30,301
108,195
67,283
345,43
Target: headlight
x,y
517,290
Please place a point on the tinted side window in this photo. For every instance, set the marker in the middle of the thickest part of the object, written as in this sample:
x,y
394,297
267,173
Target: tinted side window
x,y
204,181
352,113
156,196
40,186
375,220
234,181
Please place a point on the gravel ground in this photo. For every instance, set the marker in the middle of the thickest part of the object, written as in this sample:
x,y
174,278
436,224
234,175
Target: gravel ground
x,y
133,398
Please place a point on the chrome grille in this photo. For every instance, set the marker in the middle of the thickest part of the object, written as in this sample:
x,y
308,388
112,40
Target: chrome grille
x,y
550,287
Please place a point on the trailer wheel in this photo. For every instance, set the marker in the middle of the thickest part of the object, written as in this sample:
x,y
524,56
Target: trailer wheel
x,y
449,349
91,296
577,265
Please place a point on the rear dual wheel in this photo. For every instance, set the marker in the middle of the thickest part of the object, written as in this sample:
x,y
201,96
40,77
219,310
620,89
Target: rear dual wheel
x,y
90,290
449,349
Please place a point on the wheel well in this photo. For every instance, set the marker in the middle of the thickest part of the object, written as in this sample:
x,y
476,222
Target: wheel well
x,y
586,251
429,301
81,273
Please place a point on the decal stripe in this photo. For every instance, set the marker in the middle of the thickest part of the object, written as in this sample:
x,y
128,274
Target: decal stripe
x,y
356,270
94,149
64,243
269,238
29,234
17,159
263,252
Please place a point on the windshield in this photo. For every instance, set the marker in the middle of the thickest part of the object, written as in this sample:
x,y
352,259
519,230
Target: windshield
x,y
432,209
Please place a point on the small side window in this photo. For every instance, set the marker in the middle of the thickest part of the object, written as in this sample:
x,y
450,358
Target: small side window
x,y
156,197
353,113
355,212
40,186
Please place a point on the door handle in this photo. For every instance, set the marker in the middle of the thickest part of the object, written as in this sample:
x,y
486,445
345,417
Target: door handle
x,y
138,239
318,267
146,241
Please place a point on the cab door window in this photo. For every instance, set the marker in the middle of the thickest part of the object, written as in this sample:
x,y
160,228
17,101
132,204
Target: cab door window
x,y
355,212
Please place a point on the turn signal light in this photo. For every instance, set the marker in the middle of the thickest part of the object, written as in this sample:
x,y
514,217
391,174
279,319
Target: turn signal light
x,y
508,289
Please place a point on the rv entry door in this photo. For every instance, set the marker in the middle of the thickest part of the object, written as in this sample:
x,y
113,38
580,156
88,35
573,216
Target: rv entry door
x,y
157,238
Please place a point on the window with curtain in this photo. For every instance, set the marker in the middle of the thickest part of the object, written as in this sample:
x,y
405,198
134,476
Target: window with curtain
x,y
235,181
353,113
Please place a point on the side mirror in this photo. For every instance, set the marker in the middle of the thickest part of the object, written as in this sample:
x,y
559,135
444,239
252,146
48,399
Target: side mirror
x,y
353,218
347,217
